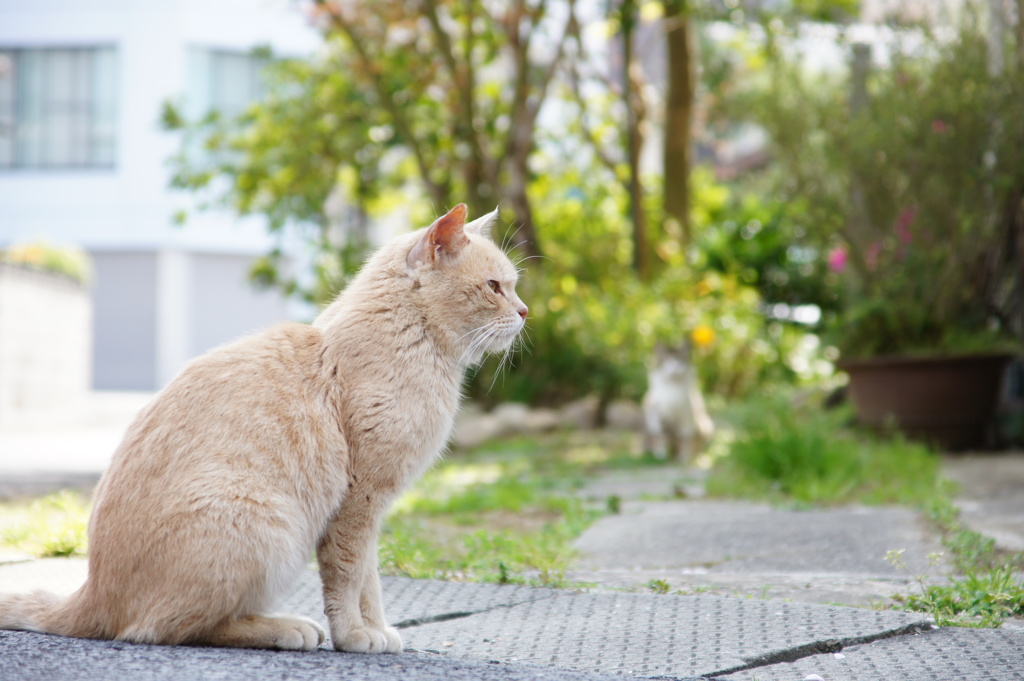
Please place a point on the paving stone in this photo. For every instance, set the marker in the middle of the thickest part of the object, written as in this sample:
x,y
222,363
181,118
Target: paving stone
x,y
640,634
27,656
976,654
757,549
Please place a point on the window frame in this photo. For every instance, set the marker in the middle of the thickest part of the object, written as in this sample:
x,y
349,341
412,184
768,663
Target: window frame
x,y
87,120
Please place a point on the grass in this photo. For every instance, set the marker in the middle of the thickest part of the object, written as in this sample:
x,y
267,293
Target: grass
x,y
986,586
505,513
52,526
806,455
414,547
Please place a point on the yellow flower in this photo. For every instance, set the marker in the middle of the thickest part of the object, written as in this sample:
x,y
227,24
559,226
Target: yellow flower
x,y
703,336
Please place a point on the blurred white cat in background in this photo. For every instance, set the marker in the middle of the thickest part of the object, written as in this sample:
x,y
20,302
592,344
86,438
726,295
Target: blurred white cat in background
x,y
676,422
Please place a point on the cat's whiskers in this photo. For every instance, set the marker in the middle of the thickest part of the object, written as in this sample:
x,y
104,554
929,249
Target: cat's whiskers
x,y
518,262
506,360
473,331
520,343
480,336
507,239
483,336
524,341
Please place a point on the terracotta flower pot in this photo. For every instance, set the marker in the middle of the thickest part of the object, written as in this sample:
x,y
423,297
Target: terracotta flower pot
x,y
947,401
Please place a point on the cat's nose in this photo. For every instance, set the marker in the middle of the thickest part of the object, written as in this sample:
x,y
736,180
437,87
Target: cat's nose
x,y
523,311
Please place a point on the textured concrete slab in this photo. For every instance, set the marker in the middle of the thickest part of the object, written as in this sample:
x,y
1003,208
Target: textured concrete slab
x,y
598,632
414,602
479,631
36,657
641,634
819,555
990,654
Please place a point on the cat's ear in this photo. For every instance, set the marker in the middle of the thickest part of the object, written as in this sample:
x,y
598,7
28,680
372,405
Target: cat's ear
x,y
684,351
484,225
446,237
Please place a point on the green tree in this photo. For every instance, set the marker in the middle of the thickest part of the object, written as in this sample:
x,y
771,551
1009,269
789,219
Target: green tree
x,y
447,98
468,133
453,89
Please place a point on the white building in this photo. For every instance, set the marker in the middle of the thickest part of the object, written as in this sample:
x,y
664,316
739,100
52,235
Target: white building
x,y
83,161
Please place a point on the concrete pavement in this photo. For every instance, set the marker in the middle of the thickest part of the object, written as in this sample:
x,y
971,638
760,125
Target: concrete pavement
x,y
481,631
668,532
811,556
752,594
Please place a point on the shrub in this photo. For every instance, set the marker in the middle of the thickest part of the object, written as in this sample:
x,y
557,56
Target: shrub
x,y
594,323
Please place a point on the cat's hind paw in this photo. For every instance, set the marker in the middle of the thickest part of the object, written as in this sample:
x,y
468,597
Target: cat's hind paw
x,y
370,640
274,633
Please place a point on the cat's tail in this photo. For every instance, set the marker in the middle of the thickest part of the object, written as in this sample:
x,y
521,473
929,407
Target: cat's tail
x,y
29,612
44,612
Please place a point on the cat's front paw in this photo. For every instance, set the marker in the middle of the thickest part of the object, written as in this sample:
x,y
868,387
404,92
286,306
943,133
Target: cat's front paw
x,y
308,632
367,639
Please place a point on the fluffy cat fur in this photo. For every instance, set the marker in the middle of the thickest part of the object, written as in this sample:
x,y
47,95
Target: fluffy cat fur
x,y
674,412
290,440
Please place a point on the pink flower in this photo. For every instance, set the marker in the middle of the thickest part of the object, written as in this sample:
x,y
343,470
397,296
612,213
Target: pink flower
x,y
938,126
837,259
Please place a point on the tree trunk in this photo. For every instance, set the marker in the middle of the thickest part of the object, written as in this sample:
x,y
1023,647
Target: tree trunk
x,y
520,134
526,234
1020,34
460,70
516,181
631,96
679,115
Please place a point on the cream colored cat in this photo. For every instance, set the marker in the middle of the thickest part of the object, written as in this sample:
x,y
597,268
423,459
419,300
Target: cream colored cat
x,y
287,441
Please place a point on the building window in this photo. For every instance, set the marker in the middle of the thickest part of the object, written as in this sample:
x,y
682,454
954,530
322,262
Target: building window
x,y
223,81
58,107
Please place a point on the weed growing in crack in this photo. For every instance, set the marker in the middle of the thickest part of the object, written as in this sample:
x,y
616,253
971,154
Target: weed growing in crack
x,y
985,591
659,586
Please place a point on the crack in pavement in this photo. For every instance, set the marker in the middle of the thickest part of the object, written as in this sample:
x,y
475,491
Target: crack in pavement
x,y
827,646
817,647
644,634
461,614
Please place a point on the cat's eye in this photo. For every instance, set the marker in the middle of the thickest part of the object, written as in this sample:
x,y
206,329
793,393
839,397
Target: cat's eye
x,y
495,286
